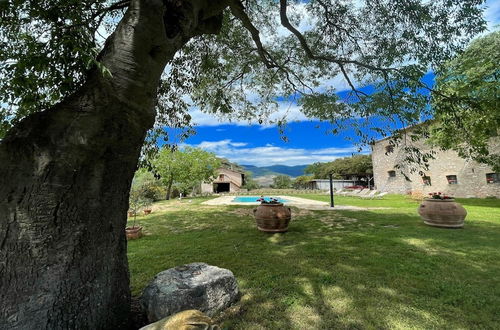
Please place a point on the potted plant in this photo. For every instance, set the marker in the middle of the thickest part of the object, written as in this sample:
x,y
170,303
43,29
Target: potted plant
x,y
272,216
147,208
440,210
136,202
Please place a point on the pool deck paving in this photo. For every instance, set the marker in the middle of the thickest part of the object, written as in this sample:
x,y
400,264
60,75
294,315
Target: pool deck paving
x,y
301,203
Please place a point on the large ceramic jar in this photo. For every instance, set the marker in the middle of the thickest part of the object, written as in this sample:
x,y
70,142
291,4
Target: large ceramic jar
x,y
442,213
272,218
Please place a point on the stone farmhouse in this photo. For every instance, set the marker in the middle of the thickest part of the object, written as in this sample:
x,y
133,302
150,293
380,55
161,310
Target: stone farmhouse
x,y
448,173
227,180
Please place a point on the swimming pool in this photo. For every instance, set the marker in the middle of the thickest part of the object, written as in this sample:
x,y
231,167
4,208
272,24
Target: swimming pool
x,y
253,199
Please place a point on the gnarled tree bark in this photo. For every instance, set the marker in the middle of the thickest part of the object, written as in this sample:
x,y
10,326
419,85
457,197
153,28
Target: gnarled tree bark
x,y
65,176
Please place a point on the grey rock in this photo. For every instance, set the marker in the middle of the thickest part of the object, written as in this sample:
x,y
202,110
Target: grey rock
x,y
197,285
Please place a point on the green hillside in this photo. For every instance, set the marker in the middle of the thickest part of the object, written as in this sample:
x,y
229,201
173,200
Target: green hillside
x,y
258,171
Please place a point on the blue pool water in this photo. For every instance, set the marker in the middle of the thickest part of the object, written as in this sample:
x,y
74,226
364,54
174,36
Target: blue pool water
x,y
253,199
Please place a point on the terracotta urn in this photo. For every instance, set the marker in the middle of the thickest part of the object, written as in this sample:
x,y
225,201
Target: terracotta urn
x,y
272,218
442,213
133,232
147,211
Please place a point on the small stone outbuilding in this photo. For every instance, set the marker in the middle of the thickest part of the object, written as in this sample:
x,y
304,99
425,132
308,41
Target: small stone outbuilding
x,y
227,180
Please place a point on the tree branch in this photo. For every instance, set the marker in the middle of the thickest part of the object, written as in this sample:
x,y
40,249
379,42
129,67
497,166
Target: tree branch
x,y
341,61
305,46
346,76
102,13
117,5
238,10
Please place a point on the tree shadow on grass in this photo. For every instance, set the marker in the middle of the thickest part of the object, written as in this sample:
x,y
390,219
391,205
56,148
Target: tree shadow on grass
x,y
384,270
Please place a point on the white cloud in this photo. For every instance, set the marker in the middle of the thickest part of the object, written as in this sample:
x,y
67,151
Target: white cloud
x,y
238,144
218,145
241,153
289,110
200,118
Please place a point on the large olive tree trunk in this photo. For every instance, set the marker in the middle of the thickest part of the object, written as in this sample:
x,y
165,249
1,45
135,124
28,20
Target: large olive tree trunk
x,y
65,174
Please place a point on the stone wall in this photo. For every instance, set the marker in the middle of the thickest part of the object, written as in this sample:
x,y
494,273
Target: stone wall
x,y
207,188
470,176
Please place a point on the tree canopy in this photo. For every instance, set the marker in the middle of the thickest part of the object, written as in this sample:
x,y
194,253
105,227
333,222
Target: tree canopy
x,y
266,51
472,79
281,182
250,183
302,181
358,165
147,185
185,169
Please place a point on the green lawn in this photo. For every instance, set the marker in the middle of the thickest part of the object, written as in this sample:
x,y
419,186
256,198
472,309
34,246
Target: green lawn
x,y
371,269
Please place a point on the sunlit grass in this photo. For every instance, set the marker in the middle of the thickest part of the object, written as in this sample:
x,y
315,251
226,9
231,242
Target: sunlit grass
x,y
379,268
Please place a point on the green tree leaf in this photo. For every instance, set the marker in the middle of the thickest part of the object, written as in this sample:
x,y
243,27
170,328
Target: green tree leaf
x,y
467,102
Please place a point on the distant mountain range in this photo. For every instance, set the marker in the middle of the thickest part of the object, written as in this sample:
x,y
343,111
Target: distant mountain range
x,y
259,171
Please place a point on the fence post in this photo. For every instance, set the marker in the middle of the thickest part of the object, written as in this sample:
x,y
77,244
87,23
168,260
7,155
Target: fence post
x,y
331,191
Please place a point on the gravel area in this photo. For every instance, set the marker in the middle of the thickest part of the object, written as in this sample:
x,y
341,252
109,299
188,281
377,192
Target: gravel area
x,y
302,203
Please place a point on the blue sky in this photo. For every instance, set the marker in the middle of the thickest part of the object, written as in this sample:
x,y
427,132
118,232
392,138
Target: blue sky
x,y
307,141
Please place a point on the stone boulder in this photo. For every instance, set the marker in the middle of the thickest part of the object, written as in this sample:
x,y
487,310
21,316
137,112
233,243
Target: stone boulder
x,y
197,285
